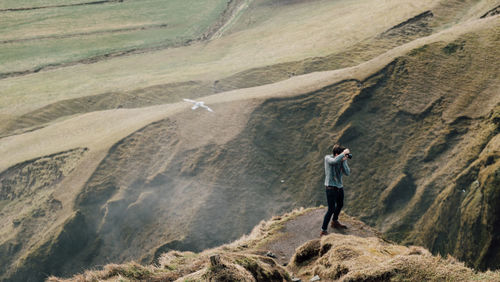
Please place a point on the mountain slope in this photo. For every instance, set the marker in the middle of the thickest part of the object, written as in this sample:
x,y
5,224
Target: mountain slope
x,y
138,169
421,23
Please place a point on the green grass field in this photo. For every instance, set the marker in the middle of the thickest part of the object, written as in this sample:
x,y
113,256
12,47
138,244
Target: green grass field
x,y
35,38
19,4
316,30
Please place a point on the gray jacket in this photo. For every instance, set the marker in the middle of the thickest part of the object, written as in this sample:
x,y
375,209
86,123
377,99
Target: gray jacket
x,y
334,167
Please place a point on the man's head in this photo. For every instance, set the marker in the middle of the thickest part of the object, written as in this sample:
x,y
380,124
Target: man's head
x,y
337,149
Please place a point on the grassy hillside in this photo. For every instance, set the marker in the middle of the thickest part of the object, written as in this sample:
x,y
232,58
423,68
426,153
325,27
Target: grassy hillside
x,y
422,22
39,4
213,60
33,39
101,163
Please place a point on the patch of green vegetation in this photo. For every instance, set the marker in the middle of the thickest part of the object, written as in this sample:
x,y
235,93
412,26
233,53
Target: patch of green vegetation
x,y
136,271
495,117
418,50
95,30
27,55
247,262
170,267
90,18
16,4
452,48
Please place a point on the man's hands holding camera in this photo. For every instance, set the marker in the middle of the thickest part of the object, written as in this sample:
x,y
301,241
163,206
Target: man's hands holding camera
x,y
346,152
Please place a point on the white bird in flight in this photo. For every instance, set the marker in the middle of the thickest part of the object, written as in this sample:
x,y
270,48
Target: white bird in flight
x,y
198,104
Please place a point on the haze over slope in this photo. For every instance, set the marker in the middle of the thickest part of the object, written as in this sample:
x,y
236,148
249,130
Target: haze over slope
x,y
101,162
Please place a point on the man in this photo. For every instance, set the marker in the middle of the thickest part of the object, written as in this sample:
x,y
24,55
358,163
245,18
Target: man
x,y
335,166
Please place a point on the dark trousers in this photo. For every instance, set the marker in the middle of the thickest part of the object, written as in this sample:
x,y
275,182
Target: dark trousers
x,y
335,198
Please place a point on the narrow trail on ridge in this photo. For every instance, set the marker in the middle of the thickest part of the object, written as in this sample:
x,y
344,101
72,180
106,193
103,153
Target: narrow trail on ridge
x,y
307,227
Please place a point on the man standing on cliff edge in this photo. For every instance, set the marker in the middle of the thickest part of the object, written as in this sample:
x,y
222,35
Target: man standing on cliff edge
x,y
335,166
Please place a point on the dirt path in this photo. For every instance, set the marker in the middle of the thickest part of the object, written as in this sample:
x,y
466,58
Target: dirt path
x,y
307,227
232,17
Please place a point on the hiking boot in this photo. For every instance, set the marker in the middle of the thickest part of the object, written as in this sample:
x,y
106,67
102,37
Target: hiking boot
x,y
323,233
337,224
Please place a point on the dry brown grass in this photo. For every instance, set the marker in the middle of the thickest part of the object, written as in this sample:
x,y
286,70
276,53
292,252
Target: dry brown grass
x,y
241,260
131,271
334,257
351,258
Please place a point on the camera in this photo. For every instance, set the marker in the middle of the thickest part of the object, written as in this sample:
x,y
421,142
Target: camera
x,y
349,156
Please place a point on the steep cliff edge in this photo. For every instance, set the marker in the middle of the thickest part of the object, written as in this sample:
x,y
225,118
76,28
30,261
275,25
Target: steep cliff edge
x,y
358,253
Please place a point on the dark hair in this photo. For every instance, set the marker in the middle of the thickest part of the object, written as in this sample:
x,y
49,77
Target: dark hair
x,y
337,149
